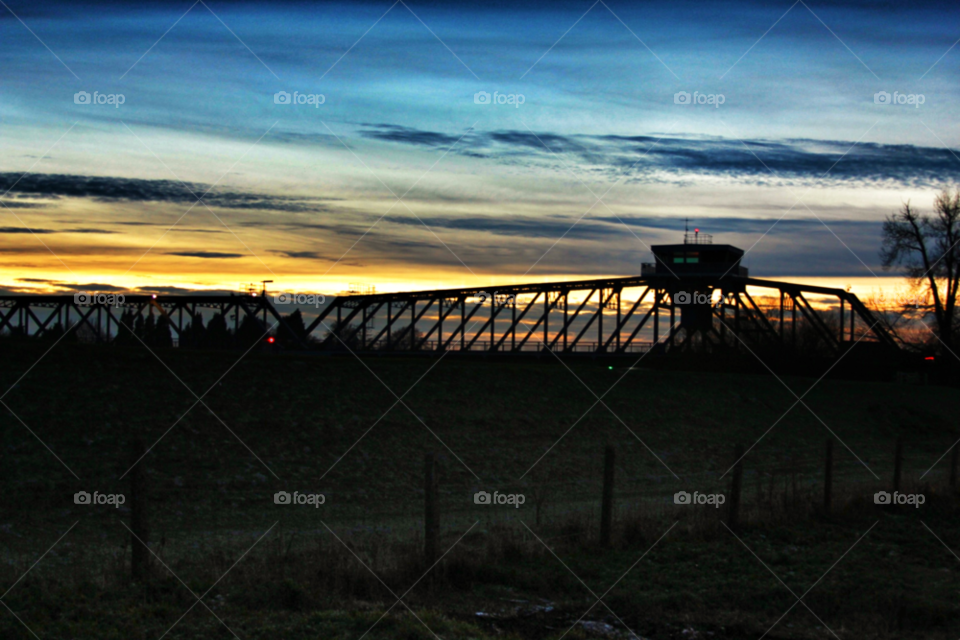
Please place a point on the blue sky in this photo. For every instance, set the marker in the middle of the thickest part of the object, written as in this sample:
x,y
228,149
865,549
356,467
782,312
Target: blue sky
x,y
308,193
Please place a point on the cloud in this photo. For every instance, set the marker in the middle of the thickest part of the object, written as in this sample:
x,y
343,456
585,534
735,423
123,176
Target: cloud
x,y
205,254
552,227
114,189
24,230
680,158
177,229
408,135
4,230
540,142
311,255
611,227
178,291
97,287
6,204
733,225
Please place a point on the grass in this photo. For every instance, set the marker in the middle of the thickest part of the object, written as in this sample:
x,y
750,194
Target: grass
x,y
319,424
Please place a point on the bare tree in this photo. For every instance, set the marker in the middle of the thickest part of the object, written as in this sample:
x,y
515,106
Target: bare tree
x,y
343,335
929,248
403,338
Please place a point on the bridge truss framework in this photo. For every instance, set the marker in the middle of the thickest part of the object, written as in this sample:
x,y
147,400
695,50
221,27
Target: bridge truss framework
x,y
513,319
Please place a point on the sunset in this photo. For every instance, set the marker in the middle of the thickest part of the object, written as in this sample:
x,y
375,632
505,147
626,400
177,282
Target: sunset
x,y
588,320
203,178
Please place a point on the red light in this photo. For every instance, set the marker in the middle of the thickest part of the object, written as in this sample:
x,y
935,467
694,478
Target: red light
x,y
696,230
929,358
270,339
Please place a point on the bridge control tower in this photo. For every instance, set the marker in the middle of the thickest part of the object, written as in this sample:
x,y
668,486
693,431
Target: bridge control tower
x,y
692,271
697,256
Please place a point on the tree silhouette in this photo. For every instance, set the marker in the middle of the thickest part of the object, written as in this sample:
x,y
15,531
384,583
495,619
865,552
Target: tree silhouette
x,y
217,336
193,335
161,334
404,339
149,328
125,332
341,334
295,323
250,332
929,248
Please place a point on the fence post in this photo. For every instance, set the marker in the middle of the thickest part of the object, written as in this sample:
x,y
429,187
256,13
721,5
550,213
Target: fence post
x,y
733,515
140,535
953,466
606,507
898,464
828,479
431,512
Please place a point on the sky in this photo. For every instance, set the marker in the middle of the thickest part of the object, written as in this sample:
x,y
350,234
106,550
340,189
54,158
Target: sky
x,y
174,146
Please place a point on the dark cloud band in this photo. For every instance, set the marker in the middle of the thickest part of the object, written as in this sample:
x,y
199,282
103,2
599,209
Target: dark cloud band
x,y
113,189
659,159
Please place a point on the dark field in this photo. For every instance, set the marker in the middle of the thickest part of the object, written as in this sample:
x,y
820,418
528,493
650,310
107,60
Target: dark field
x,y
357,432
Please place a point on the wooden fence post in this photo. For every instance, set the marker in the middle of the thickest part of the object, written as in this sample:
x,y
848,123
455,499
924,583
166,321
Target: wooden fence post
x,y
140,534
733,515
431,512
898,464
606,507
828,479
